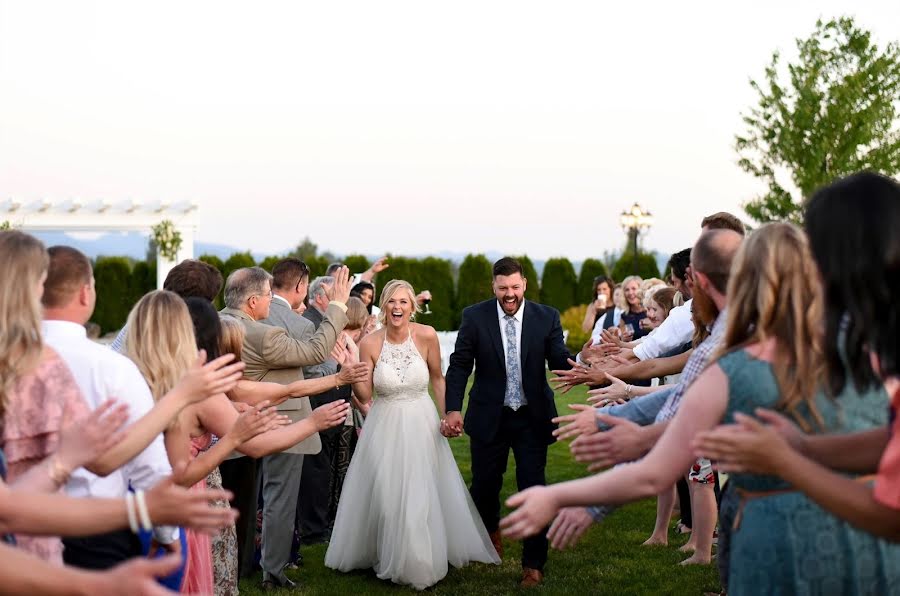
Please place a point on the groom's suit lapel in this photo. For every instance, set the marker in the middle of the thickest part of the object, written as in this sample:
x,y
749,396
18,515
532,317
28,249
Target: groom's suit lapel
x,y
527,321
493,325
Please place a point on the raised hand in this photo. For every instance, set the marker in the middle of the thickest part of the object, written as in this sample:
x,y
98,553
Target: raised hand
x,y
621,443
89,436
569,526
341,288
329,415
137,577
339,351
256,420
353,373
615,393
535,507
173,505
574,425
205,379
379,265
748,446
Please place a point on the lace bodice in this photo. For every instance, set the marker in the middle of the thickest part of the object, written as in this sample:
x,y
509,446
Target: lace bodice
x,y
400,373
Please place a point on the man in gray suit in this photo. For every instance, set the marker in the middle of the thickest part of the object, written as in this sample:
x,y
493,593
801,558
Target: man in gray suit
x,y
273,353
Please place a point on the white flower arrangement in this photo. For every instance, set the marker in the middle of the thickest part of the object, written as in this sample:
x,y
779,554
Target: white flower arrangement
x,y
167,239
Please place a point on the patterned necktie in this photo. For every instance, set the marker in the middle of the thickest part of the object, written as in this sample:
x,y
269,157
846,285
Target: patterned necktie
x,y
513,398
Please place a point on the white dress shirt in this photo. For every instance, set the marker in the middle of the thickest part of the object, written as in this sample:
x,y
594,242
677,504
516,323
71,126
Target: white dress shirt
x,y
676,330
518,317
103,374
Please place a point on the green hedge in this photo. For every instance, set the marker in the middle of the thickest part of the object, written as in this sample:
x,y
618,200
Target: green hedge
x,y
558,284
533,285
115,292
625,266
474,284
590,269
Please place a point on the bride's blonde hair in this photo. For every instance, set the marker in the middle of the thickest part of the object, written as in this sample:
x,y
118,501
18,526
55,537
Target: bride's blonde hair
x,y
23,260
160,340
774,293
391,288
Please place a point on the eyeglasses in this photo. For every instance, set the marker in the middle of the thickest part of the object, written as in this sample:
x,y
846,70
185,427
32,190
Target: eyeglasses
x,y
268,295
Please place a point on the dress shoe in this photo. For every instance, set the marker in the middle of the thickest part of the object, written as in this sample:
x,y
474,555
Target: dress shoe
x,y
497,542
270,585
531,578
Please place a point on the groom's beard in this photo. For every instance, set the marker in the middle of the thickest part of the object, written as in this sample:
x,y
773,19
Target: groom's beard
x,y
506,306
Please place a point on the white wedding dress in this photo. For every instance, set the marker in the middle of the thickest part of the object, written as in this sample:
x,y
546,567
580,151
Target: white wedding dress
x,y
404,509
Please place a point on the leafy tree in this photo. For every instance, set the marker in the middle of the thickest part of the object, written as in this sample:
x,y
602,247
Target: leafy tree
x,y
269,262
558,284
474,283
219,264
533,288
143,280
590,269
436,276
237,261
831,113
571,320
624,267
305,251
357,263
114,288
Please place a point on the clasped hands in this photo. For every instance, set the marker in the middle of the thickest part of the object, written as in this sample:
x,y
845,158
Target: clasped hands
x,y
452,425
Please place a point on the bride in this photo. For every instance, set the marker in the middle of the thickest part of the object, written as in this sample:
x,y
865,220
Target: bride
x,y
404,508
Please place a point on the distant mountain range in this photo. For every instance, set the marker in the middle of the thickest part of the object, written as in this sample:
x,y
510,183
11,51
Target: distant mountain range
x,y
134,245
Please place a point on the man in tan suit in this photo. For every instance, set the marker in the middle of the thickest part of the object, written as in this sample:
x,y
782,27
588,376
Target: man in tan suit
x,y
271,354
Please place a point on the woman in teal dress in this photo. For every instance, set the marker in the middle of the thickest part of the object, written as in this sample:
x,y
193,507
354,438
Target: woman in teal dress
x,y
772,357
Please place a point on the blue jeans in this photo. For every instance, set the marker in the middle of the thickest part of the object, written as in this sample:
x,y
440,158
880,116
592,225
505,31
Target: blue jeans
x,y
640,410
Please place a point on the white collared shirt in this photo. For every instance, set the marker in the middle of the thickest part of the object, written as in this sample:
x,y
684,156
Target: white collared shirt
x,y
103,374
519,318
277,297
676,330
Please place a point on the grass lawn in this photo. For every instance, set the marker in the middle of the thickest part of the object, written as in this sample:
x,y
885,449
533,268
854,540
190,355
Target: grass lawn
x,y
608,560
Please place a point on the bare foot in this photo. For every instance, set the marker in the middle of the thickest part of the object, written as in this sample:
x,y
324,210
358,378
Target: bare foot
x,y
688,547
656,541
696,559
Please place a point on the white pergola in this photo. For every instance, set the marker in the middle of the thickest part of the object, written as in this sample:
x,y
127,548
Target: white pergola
x,y
105,216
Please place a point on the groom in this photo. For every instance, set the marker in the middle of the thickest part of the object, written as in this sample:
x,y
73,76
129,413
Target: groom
x,y
511,406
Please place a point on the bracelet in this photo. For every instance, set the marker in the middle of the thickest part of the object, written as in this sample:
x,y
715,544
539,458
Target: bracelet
x,y
132,516
57,472
144,514
628,391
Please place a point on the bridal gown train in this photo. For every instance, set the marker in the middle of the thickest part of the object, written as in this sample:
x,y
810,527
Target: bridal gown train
x,y
404,510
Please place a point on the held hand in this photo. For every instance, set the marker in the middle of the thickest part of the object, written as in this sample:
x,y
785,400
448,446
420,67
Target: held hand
x,y
535,507
330,415
353,373
748,446
615,393
341,286
255,421
205,379
582,423
569,526
89,436
452,425
173,505
621,443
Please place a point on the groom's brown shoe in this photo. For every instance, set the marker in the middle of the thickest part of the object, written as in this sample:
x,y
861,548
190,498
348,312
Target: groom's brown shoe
x,y
497,542
531,578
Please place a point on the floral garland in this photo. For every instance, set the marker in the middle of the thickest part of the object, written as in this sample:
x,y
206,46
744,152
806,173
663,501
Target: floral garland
x,y
167,239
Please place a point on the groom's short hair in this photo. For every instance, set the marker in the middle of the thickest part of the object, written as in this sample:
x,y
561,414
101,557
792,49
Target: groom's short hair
x,y
508,266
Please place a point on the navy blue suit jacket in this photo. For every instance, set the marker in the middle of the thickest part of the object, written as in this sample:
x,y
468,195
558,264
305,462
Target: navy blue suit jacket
x,y
479,344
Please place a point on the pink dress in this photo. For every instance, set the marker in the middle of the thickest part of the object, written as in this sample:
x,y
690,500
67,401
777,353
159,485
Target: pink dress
x,y
887,482
198,573
37,408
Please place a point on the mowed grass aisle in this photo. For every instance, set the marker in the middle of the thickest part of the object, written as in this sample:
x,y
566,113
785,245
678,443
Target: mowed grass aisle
x,y
608,560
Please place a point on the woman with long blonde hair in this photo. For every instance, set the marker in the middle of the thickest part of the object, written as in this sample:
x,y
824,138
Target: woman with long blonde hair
x,y
162,342
772,357
405,510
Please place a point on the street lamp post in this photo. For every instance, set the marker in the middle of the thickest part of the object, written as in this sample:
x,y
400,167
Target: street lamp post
x,y
634,221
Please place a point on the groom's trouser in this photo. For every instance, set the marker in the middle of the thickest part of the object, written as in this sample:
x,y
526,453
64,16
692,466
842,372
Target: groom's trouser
x,y
280,485
489,458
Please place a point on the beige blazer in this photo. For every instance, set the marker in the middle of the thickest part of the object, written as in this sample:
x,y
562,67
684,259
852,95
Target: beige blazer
x,y
270,354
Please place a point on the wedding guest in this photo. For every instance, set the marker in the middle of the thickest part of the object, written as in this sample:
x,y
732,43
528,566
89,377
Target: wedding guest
x,y
601,300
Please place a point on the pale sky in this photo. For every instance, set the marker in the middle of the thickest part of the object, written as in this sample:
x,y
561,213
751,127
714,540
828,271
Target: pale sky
x,y
409,127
